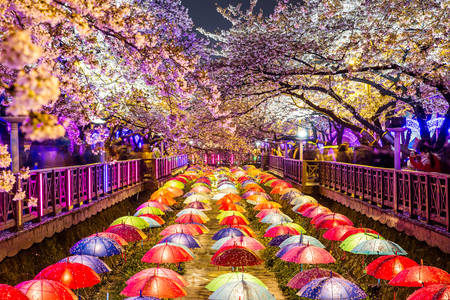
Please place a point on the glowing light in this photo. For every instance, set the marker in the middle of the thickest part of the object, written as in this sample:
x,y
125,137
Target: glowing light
x,y
41,194
302,133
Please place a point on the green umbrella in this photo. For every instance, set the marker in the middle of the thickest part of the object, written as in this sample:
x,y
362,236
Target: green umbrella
x,y
149,210
230,277
175,183
201,184
289,224
378,247
131,220
228,213
269,182
352,241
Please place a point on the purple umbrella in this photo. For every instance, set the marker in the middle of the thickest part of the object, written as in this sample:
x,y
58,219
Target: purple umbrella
x,y
230,231
92,262
302,278
182,239
276,241
286,248
331,288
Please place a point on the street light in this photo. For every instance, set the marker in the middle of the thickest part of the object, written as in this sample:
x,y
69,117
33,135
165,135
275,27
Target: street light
x,y
302,134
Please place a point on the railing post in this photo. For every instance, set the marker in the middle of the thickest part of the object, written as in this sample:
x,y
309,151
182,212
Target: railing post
x,y
447,203
68,190
89,184
40,190
55,206
427,199
19,207
395,191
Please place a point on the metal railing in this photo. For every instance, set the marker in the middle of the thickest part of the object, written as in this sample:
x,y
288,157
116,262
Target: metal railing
x,y
418,195
163,167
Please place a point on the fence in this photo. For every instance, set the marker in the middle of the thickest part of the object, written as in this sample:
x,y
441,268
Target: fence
x,y
418,195
163,167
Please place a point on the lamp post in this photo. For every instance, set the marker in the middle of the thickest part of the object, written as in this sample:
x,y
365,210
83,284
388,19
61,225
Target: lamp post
x,y
302,134
14,140
395,125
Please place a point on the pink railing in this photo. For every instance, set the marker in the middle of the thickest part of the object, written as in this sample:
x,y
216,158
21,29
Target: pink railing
x,y
163,167
418,195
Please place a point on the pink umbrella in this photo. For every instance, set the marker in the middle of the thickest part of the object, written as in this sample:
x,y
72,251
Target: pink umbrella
x,y
302,278
161,272
308,255
244,241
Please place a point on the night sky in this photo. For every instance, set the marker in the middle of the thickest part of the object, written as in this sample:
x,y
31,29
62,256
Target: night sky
x,y
205,15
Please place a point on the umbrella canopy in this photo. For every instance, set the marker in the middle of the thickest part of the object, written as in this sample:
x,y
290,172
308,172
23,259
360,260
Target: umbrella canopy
x,y
176,192
264,212
141,298
46,289
331,288
120,240
352,241
280,182
256,198
8,292
303,278
386,267
133,221
234,220
190,218
96,264
241,290
201,189
358,230
328,223
235,256
180,228
276,241
161,272
154,286
96,246
219,243
154,217
182,239
419,276
245,229
127,232
300,209
198,205
431,292
217,282
314,211
224,214
166,253
267,205
231,207
228,199
336,233
279,189
276,218
231,232
72,275
149,210
197,198
308,255
289,224
302,239
166,200
174,183
244,241
281,230
378,247
151,223
153,204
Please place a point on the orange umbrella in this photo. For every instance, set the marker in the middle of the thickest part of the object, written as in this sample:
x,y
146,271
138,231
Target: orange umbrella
x,y
267,205
229,199
174,190
247,230
278,189
251,185
256,189
164,200
232,207
162,193
257,198
154,286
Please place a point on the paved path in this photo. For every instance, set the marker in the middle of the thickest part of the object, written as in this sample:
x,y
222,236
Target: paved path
x,y
199,272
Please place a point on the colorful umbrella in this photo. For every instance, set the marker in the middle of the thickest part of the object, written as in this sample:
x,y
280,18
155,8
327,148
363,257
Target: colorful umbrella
x,y
197,197
289,224
234,220
154,286
308,255
8,292
219,243
229,199
152,223
154,217
235,256
264,212
352,241
267,205
276,241
241,290
378,247
336,233
303,207
419,276
120,240
201,189
217,282
231,207
244,241
166,253
302,278
328,223
276,218
314,211
161,272
180,228
72,275
331,288
153,204
281,230
257,198
386,267
133,221
166,200
141,298
198,205
174,183
45,289
127,232
190,218
302,239
92,262
245,229
358,230
182,239
224,214
231,232
431,292
149,210
96,246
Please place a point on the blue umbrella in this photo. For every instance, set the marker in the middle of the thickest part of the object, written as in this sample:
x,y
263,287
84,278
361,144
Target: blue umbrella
x,y
241,290
96,246
230,231
378,247
219,243
275,218
331,288
182,239
302,239
276,241
151,222
92,262
286,248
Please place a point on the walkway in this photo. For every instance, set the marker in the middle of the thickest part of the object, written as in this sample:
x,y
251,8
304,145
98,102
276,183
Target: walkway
x,y
199,272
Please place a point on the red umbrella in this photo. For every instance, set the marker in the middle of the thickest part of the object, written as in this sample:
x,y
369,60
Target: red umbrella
x,y
244,241
419,276
387,266
233,220
161,272
113,236
235,256
180,228
331,223
46,289
313,211
280,230
329,215
431,292
72,275
359,230
233,206
302,278
8,292
336,233
154,286
154,217
166,253
190,218
279,182
128,232
305,206
229,199
308,255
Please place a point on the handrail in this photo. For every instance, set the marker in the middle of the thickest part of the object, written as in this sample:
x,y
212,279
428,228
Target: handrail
x,y
419,195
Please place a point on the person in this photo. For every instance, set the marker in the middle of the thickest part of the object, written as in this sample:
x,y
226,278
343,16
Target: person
x,y
426,161
343,155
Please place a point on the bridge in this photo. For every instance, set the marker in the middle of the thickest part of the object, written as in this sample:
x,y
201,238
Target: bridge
x,y
413,202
